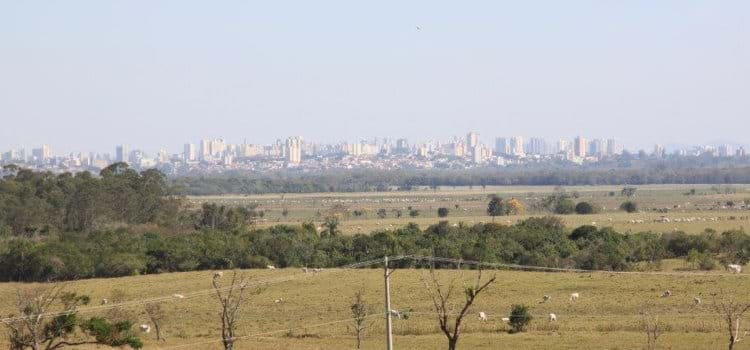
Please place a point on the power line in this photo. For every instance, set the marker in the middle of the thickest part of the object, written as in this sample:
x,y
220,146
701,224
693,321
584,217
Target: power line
x,y
188,295
562,269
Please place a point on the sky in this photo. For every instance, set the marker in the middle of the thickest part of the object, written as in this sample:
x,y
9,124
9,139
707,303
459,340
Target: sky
x,y
88,75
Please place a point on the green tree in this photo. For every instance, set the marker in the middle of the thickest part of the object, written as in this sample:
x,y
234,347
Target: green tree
x,y
629,206
584,208
520,317
442,212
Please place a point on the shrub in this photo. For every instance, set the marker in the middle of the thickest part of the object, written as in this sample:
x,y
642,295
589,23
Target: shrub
x,y
584,208
565,206
442,212
520,317
382,213
413,213
629,206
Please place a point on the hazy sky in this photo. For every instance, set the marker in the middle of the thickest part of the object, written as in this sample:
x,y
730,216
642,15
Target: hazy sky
x,y
86,75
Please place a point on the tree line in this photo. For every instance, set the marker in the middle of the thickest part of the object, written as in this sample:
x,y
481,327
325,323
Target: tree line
x,y
541,241
370,180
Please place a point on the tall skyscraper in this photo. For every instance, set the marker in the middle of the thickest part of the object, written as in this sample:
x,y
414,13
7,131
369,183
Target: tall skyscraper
x,y
516,145
502,146
294,150
472,140
205,150
537,145
188,152
122,154
613,148
579,147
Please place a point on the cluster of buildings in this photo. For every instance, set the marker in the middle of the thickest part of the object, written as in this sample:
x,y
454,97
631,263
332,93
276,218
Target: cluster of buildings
x,y
217,155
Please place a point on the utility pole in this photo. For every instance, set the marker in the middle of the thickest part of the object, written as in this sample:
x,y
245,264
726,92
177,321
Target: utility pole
x,y
388,325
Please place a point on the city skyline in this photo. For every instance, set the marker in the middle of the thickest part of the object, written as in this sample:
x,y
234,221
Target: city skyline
x,y
85,75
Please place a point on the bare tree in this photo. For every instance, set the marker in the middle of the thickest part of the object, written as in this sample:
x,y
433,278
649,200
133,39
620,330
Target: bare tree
x,y
156,314
444,305
652,327
360,312
49,318
731,311
230,298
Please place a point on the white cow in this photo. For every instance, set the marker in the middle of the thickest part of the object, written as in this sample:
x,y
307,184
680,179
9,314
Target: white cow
x,y
506,319
145,328
218,274
574,296
105,301
396,314
552,317
278,301
271,267
482,316
178,296
734,268
696,301
546,299
667,293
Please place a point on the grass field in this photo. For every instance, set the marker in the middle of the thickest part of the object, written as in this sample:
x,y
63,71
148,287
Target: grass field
x,y
605,317
692,213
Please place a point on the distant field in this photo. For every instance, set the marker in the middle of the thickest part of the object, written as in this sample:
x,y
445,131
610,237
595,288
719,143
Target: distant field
x,y
605,317
691,213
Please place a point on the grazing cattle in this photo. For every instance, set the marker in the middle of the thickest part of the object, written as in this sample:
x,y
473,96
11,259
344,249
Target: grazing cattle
x,y
317,270
667,293
506,319
304,270
105,302
218,274
396,314
546,299
574,296
734,268
278,301
696,301
552,317
178,296
145,328
271,267
482,316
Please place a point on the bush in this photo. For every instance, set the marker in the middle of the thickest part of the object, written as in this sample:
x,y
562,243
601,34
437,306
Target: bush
x,y
442,212
629,206
565,206
584,208
520,317
413,213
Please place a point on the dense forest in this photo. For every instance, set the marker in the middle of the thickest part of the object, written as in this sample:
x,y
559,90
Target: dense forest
x,y
404,180
63,227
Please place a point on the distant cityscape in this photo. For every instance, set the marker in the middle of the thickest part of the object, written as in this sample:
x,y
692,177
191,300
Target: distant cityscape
x,y
217,155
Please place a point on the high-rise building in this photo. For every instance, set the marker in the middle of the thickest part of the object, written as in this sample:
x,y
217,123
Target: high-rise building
x,y
659,151
579,147
472,140
188,152
726,151
218,146
597,147
122,154
294,150
477,154
741,152
563,146
516,145
537,145
613,148
205,150
402,146
502,146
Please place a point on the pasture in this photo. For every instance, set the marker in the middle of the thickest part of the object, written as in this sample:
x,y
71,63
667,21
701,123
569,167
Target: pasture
x,y
316,309
662,208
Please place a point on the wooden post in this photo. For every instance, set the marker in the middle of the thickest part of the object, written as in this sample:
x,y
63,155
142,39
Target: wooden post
x,y
388,324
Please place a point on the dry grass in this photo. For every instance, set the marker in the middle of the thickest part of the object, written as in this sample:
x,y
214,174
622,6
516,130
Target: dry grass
x,y
606,315
468,205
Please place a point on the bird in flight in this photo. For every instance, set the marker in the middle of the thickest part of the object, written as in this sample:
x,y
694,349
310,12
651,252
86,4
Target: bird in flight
x,y
419,28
